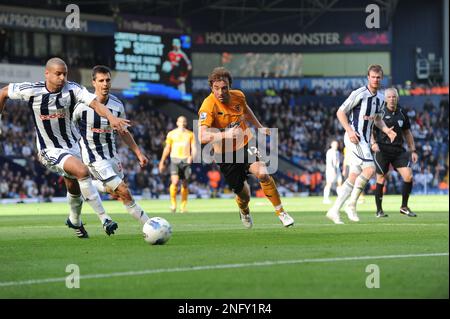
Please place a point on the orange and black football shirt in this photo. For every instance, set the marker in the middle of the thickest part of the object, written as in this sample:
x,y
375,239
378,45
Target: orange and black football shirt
x,y
215,114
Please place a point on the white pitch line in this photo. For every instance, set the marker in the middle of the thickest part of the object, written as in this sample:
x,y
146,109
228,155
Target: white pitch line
x,y
213,267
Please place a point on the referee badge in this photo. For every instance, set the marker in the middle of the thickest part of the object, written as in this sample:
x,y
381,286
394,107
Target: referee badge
x,y
400,123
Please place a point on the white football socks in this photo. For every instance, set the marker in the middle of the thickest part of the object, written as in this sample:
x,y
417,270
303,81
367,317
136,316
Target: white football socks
x,y
326,193
99,185
346,190
360,184
136,211
91,196
75,203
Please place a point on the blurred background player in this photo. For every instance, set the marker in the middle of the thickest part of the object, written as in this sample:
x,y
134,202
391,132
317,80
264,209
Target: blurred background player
x,y
333,171
214,180
180,66
392,152
357,115
52,103
223,116
180,144
98,144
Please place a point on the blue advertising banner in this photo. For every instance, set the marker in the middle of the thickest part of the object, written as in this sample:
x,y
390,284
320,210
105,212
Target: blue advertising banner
x,y
53,21
253,84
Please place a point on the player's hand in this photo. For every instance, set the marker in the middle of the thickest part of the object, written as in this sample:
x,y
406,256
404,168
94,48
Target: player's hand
x,y
414,157
143,160
265,130
375,148
119,124
161,167
391,134
353,136
232,133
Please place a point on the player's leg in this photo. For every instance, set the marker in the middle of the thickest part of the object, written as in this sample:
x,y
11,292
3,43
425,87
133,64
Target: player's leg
x,y
344,193
235,176
327,189
368,169
364,155
75,167
402,164
185,176
353,171
75,202
382,168
269,188
173,190
338,183
379,192
242,199
123,193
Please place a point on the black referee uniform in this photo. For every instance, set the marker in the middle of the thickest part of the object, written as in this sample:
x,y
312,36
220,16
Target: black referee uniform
x,y
392,153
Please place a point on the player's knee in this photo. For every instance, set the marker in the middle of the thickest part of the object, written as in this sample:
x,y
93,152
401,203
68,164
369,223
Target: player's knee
x,y
381,179
369,171
263,177
408,178
81,172
114,183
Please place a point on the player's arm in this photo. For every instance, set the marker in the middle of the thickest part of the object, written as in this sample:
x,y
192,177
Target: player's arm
x,y
131,143
118,124
207,135
188,62
343,119
193,150
342,112
378,121
251,118
164,156
411,145
373,142
3,98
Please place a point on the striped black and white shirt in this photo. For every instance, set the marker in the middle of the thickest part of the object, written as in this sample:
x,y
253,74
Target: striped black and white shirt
x,y
361,108
52,111
98,139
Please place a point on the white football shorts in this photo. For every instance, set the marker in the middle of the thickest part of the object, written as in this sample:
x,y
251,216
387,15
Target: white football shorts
x,y
54,159
105,170
359,155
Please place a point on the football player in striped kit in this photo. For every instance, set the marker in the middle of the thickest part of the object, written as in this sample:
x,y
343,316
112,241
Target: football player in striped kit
x,y
98,143
359,112
52,103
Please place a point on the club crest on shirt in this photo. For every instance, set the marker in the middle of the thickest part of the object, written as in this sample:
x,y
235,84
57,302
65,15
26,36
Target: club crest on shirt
x,y
237,107
400,123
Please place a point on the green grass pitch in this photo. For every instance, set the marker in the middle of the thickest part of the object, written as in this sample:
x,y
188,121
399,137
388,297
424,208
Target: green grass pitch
x,y
211,255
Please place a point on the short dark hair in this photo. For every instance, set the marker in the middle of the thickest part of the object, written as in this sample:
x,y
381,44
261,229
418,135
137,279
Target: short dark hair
x,y
219,74
375,68
100,69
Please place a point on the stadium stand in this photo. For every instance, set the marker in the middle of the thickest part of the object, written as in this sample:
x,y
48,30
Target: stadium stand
x,y
302,140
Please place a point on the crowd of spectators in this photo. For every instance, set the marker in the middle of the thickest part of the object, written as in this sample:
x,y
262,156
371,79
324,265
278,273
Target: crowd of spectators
x,y
305,131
